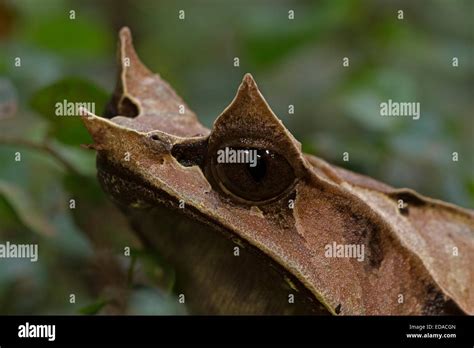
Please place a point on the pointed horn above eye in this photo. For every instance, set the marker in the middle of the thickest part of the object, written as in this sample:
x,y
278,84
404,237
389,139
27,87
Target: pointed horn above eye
x,y
250,120
249,84
250,109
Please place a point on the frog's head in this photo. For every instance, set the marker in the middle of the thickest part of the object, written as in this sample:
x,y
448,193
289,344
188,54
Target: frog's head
x,y
289,208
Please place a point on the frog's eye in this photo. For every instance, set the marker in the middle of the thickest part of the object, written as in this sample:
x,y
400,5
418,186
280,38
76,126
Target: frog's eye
x,y
250,155
251,174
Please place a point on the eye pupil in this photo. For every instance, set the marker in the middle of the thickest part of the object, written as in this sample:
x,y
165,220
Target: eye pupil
x,y
258,172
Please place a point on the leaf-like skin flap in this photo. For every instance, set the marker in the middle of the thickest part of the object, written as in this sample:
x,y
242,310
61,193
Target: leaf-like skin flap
x,y
144,101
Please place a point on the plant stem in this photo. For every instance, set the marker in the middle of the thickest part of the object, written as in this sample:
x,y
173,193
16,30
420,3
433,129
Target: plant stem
x,y
43,147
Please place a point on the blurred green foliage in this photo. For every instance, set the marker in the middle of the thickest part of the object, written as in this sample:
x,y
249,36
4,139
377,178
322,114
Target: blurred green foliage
x,y
68,131
296,62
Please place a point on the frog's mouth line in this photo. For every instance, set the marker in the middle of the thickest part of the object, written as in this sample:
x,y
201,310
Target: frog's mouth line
x,y
137,194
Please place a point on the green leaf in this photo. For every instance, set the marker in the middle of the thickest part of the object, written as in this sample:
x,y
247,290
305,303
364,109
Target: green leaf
x,y
93,308
68,129
25,209
83,37
84,188
8,216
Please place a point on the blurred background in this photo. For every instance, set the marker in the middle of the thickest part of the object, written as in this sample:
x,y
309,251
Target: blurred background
x,y
52,50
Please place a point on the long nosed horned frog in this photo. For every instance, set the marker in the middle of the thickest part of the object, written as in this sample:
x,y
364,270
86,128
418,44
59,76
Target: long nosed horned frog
x,y
252,225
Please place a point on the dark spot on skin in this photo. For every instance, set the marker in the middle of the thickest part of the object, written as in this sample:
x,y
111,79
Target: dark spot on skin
x,y
338,309
438,304
376,253
127,108
404,211
190,153
408,198
120,107
362,230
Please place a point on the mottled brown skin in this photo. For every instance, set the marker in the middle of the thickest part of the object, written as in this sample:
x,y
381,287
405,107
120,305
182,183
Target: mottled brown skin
x,y
409,251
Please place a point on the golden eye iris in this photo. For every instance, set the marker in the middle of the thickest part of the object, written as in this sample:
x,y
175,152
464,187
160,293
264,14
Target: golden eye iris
x,y
263,176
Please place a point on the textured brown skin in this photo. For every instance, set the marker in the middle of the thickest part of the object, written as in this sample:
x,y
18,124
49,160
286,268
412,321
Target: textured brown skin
x,y
408,251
